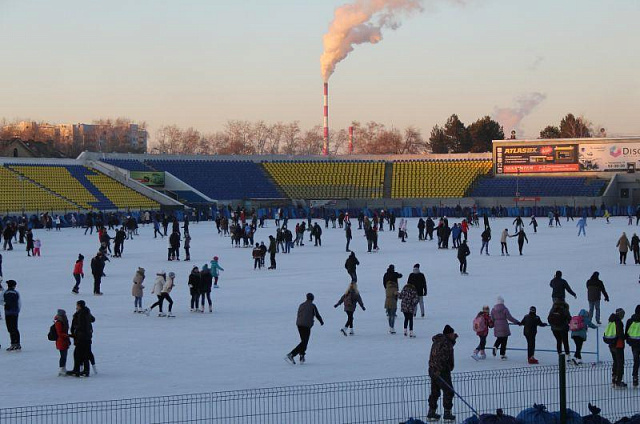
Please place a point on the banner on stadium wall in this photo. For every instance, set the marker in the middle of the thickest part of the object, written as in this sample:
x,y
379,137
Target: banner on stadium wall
x,y
149,178
613,157
511,159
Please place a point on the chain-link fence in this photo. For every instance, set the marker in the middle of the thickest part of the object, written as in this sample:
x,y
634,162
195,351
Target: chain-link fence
x,y
390,400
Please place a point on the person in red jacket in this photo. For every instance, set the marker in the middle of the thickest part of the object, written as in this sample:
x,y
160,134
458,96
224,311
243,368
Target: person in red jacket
x,y
61,324
78,273
465,228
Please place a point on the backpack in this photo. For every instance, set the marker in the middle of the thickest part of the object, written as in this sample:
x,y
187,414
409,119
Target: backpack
x,y
479,324
556,318
536,415
53,334
576,323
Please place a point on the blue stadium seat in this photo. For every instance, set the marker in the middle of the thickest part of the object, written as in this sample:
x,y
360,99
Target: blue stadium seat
x,y
539,187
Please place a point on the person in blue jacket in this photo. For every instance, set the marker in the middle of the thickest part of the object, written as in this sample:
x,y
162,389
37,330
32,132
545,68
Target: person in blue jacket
x,y
215,271
582,223
579,336
12,304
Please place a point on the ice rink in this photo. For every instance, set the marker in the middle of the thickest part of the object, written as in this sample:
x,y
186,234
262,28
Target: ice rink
x,y
242,344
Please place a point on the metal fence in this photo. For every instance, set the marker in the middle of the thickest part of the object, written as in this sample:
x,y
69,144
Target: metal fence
x,y
391,400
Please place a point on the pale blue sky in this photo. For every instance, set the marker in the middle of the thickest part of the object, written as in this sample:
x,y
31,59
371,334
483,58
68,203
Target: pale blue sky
x,y
198,63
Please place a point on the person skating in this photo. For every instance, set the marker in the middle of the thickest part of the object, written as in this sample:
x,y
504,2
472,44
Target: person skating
x,y
560,287
161,279
635,248
206,281
504,249
485,236
272,252
409,298
350,265
421,227
623,246
174,246
391,275
391,303
559,318
418,280
351,298
534,223
256,254
595,291
187,246
78,273
441,364
97,270
522,238
118,242
430,226
194,287
518,224
481,325
317,234
531,322
61,325
29,242
12,305
348,235
582,224
632,334
463,252
614,336
307,311
82,334
215,267
501,317
579,326
137,290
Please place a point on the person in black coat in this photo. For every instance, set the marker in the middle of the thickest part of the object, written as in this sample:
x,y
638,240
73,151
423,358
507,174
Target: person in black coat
x,y
350,265
317,235
463,252
421,227
174,242
194,289
272,252
559,286
531,322
82,334
430,226
418,280
118,242
595,291
390,275
97,269
29,242
206,282
307,311
348,235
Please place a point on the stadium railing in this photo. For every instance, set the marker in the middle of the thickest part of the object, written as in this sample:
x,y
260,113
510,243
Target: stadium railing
x,y
390,400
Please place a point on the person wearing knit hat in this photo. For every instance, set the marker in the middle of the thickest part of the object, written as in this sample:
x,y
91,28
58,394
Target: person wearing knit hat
x,y
531,322
441,364
137,290
61,326
614,336
419,282
501,317
78,273
481,325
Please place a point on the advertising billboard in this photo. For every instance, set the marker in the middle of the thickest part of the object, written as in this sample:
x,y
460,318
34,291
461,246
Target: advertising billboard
x,y
610,157
149,178
511,159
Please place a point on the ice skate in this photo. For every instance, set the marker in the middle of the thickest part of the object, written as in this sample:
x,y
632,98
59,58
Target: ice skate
x,y
503,357
170,315
448,416
344,331
351,333
146,312
475,357
162,314
482,355
210,309
405,332
62,372
432,415
302,360
392,330
289,359
494,351
94,369
533,361
412,334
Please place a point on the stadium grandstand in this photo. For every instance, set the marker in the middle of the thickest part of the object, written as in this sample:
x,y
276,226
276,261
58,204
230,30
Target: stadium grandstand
x,y
517,173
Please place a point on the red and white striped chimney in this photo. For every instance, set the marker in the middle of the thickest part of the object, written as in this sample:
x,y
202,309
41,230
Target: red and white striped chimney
x,y
325,147
350,139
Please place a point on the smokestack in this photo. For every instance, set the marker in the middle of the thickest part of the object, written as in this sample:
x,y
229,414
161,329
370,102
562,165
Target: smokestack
x,y
325,147
350,140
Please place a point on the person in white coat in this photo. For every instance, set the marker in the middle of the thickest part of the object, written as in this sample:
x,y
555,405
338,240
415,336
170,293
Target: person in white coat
x,y
503,242
157,290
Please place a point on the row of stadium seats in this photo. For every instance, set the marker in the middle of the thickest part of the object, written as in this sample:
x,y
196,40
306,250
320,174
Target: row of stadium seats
x,y
83,187
329,180
222,180
128,164
539,186
18,194
436,178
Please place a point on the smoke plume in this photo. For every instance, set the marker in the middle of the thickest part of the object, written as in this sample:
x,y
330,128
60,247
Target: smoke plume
x,y
511,118
358,23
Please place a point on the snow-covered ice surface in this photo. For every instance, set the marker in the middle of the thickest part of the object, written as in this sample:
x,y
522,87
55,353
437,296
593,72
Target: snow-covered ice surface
x,y
242,344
